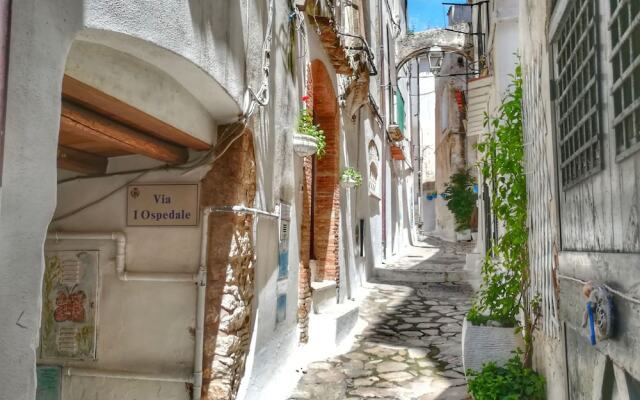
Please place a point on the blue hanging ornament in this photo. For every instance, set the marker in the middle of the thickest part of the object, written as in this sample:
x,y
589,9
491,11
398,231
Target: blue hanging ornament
x,y
599,313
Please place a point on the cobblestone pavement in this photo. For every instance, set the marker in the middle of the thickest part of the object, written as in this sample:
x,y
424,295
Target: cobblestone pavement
x,y
410,349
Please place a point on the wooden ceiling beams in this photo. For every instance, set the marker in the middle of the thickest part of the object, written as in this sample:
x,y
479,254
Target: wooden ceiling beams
x,y
97,130
93,99
79,161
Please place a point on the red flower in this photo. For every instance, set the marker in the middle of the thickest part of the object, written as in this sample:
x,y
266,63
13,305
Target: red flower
x,y
305,98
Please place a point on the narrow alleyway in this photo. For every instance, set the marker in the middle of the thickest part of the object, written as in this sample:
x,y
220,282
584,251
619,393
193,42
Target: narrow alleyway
x,y
410,349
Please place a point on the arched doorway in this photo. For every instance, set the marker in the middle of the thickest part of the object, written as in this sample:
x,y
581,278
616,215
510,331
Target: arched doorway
x,y
319,251
325,219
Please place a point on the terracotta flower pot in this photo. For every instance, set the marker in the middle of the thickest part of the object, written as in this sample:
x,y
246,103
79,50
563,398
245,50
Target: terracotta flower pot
x,y
305,145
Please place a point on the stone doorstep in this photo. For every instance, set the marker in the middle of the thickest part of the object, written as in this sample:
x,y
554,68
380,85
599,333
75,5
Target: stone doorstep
x,y
390,275
323,295
333,325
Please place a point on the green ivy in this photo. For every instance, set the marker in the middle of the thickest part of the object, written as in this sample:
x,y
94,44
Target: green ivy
x,y
461,199
307,127
505,287
512,382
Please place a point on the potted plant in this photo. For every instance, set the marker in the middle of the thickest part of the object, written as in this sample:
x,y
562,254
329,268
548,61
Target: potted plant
x,y
309,139
461,201
511,381
350,178
505,311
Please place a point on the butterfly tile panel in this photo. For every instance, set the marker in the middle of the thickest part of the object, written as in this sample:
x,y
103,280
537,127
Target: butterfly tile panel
x,y
69,305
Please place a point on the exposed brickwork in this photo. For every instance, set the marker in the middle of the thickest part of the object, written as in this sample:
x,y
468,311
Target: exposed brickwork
x,y
230,271
324,107
327,198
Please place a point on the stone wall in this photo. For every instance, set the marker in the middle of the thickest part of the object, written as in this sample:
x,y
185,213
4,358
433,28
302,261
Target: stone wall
x,y
304,277
231,181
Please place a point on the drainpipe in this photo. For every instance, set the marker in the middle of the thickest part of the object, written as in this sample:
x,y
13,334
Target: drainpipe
x,y
382,94
200,309
200,278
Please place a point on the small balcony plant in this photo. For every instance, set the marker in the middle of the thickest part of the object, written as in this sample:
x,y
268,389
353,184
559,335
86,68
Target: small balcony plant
x,y
350,178
309,139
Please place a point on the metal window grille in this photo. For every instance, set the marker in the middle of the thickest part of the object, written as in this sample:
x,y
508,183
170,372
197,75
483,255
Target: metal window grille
x,y
578,107
624,28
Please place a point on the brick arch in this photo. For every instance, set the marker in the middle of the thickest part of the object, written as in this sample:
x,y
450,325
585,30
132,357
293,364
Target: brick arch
x,y
321,195
326,199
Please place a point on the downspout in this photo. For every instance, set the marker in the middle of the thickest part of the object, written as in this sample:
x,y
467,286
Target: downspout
x,y
382,94
419,166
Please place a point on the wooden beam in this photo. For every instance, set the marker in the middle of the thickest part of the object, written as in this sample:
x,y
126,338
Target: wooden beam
x,y
117,110
79,161
84,123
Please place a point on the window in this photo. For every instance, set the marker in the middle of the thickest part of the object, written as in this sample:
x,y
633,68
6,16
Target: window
x,y
400,114
577,83
624,27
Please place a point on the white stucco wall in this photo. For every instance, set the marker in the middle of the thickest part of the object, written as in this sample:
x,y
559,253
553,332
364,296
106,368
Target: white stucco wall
x,y
202,48
144,327
202,57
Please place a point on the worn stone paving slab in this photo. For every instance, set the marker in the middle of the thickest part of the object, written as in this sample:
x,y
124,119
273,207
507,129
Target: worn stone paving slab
x,y
410,349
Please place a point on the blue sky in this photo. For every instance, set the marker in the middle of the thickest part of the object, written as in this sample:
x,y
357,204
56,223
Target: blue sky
x,y
425,14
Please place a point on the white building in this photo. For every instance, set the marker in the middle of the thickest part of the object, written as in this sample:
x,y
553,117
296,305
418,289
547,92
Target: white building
x,y
161,116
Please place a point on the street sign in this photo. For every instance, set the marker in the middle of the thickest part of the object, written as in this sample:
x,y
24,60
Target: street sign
x,y
162,205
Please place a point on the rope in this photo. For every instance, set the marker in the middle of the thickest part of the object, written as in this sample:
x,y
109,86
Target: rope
x,y
609,288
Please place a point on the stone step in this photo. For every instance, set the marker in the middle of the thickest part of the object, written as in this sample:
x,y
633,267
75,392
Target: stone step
x,y
323,295
396,275
334,324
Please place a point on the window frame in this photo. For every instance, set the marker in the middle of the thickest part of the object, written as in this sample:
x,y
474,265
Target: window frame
x,y
559,17
610,46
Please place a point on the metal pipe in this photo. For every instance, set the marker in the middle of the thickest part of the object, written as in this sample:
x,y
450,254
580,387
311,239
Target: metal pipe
x,y
200,278
200,309
121,269
383,164
101,373
239,209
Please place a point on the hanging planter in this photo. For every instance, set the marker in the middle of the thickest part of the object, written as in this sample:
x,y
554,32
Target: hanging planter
x,y
310,138
350,178
305,145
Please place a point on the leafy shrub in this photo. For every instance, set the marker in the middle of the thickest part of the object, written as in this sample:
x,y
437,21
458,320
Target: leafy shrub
x,y
307,127
512,382
461,199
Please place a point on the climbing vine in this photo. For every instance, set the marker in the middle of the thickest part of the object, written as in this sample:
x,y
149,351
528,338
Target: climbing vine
x,y
505,275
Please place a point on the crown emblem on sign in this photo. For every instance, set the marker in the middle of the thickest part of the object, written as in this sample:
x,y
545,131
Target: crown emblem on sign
x,y
135,192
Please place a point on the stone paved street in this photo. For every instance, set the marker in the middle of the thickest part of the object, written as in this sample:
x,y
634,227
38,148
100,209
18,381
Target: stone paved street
x,y
410,349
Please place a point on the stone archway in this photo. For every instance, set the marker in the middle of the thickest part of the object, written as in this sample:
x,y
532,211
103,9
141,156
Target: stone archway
x,y
418,44
321,196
